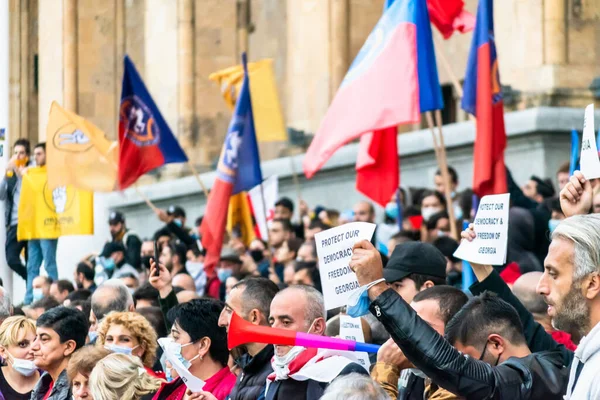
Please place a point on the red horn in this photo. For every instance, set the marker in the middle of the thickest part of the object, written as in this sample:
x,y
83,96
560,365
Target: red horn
x,y
242,332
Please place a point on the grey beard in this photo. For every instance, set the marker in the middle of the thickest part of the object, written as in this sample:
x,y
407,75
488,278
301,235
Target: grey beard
x,y
573,316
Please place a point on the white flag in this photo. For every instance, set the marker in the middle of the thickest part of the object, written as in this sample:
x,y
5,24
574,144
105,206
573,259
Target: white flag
x,y
271,191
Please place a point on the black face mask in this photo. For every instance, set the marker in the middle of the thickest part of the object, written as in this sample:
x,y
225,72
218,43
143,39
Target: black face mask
x,y
257,255
146,262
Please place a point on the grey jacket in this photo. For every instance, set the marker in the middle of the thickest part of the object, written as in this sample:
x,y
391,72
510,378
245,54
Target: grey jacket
x,y
60,391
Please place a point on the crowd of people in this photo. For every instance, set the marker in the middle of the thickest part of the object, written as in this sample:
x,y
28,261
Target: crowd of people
x,y
528,329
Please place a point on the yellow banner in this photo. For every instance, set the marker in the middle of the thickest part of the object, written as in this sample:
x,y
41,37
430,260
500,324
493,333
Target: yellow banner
x,y
239,218
78,153
266,108
49,214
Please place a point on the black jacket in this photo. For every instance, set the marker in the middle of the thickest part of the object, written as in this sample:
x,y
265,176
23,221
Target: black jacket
x,y
11,183
537,376
537,338
251,382
290,389
133,249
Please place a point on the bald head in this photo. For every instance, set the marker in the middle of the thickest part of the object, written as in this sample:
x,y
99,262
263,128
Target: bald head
x,y
364,212
112,295
184,281
524,289
186,295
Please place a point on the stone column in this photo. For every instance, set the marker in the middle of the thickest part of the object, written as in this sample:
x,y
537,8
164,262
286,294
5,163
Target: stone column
x,y
50,64
555,32
70,54
340,43
14,75
185,31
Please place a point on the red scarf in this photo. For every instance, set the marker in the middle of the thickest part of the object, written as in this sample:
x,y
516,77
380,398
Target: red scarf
x,y
298,362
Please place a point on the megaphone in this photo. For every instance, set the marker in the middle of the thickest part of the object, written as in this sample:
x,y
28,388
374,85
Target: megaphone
x,y
242,332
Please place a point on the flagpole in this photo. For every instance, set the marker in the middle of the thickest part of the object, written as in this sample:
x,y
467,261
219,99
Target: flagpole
x,y
197,176
146,199
443,166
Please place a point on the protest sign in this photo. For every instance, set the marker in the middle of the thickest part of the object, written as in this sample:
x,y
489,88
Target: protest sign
x,y
193,383
334,248
351,329
491,227
589,162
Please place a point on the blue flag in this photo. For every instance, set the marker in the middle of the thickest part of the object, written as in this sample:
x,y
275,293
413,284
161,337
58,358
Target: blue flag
x,y
574,160
145,140
240,150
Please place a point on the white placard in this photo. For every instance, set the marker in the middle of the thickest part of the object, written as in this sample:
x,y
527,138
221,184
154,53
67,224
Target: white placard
x,y
193,383
270,188
351,329
589,162
334,248
491,227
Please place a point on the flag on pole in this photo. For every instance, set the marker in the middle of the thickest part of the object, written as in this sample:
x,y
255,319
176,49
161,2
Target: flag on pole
x,y
483,98
145,140
239,218
46,213
387,84
266,108
270,189
449,16
574,160
78,153
238,170
377,166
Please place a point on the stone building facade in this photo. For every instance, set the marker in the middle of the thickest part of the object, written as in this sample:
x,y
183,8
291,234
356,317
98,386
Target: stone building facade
x,y
71,51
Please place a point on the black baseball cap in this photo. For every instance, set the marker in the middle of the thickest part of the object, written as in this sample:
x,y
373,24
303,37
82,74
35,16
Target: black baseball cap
x,y
414,258
116,217
175,211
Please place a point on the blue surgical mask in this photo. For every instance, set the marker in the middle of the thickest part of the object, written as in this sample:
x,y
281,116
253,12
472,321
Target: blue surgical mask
x,y
358,302
178,222
38,294
120,349
109,264
391,210
168,375
552,224
172,347
93,336
223,274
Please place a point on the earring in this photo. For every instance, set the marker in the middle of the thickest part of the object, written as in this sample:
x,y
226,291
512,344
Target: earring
x,y
201,358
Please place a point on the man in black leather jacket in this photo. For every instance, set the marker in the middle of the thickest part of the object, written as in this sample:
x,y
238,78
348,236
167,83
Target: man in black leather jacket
x,y
518,374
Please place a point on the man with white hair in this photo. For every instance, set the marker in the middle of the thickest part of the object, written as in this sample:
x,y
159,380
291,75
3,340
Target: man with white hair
x,y
301,308
571,288
112,295
354,387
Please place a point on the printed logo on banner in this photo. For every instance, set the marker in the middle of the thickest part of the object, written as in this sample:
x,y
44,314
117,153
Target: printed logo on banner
x,y
138,120
2,133
70,139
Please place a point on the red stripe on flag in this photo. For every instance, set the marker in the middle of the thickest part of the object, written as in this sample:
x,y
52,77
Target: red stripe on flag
x,y
489,175
377,166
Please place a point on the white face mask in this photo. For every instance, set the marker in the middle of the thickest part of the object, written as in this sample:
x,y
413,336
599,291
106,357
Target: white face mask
x,y
428,212
24,367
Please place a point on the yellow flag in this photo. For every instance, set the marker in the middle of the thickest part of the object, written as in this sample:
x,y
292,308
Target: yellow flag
x,y
266,109
239,218
78,153
48,214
